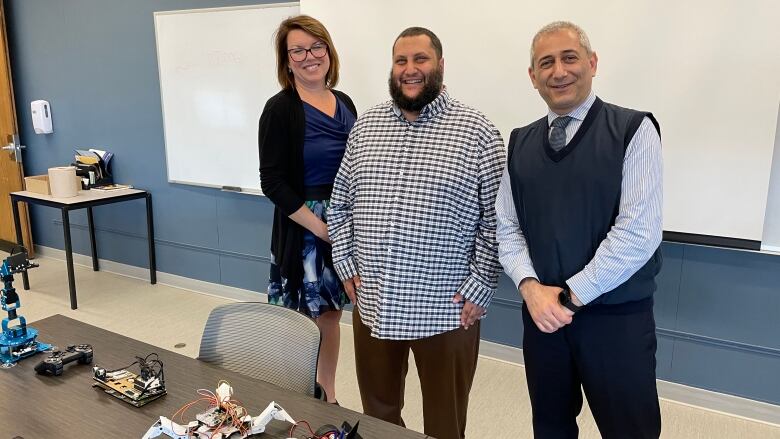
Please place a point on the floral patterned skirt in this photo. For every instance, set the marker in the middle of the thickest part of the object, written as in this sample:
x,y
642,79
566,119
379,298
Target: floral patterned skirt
x,y
321,290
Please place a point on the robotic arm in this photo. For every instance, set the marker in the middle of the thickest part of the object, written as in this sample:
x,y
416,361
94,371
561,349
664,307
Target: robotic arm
x,y
16,342
16,263
273,411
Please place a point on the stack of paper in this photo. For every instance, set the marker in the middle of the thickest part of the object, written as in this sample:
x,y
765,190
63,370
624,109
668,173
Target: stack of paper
x,y
112,187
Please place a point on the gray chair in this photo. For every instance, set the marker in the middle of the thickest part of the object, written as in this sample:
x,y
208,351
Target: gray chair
x,y
268,342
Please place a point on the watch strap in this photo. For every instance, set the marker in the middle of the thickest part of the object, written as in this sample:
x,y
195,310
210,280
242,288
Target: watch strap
x,y
567,302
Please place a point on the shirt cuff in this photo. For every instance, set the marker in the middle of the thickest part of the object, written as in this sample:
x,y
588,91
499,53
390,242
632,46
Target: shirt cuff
x,y
583,287
346,269
475,292
521,272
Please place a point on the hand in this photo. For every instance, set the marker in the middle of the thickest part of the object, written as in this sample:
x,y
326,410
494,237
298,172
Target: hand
x,y
351,286
311,222
542,302
471,312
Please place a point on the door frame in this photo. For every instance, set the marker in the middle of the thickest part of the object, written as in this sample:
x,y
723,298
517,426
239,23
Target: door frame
x,y
15,181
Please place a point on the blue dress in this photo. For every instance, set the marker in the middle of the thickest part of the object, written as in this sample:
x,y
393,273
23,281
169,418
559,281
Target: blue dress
x,y
324,143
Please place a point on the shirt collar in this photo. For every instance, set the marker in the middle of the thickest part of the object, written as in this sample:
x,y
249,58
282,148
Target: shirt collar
x,y
432,109
578,113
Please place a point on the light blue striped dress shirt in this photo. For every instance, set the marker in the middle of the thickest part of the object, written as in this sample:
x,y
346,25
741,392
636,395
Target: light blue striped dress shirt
x,y
633,238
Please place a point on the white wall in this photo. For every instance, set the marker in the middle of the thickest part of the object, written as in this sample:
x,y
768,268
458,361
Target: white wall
x,y
706,69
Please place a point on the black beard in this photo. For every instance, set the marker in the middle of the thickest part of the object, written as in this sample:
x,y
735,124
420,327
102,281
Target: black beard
x,y
430,91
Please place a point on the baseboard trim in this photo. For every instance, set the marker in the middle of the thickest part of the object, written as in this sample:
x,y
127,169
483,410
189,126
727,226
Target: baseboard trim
x,y
673,392
501,352
743,408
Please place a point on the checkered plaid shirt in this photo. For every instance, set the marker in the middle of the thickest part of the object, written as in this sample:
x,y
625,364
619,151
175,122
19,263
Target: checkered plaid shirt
x,y
413,213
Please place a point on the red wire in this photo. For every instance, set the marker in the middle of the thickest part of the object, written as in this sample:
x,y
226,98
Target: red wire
x,y
292,429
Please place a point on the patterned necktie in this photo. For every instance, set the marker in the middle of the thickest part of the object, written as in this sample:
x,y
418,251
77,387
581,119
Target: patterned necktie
x,y
558,132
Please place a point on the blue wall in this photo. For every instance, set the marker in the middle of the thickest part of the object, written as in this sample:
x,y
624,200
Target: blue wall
x,y
95,61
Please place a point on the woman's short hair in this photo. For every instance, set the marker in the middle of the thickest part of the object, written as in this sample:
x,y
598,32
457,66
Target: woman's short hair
x,y
312,27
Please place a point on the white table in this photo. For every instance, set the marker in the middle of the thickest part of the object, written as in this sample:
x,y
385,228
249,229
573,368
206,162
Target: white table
x,y
85,199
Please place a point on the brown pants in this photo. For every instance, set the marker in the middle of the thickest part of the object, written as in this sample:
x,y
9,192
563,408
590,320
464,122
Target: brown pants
x,y
445,363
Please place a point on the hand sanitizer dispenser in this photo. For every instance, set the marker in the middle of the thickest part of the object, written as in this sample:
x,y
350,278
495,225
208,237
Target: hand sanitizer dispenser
x,y
41,117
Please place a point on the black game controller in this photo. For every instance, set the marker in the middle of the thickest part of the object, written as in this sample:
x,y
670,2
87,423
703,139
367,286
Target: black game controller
x,y
54,363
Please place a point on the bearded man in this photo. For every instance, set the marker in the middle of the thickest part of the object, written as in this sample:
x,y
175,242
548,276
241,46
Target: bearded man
x,y
413,223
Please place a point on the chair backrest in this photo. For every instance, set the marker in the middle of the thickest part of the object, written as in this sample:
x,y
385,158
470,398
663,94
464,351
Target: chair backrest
x,y
268,342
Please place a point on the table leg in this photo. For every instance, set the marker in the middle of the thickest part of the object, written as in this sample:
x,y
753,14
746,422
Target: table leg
x,y
91,222
150,239
19,238
69,258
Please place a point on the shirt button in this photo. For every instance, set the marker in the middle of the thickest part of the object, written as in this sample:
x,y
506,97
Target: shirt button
x,y
391,224
389,250
401,173
406,149
397,199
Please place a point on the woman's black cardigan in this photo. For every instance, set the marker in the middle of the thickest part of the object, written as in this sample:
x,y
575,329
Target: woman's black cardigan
x,y
280,140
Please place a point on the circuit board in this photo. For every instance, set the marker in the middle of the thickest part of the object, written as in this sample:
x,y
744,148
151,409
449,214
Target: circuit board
x,y
128,387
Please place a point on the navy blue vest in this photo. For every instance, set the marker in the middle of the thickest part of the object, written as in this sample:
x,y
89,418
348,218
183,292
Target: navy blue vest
x,y
568,200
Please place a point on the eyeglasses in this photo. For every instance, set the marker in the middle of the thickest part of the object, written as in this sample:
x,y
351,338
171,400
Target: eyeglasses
x,y
298,54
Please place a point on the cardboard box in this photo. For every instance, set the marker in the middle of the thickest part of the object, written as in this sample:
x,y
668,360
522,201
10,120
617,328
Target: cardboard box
x,y
38,184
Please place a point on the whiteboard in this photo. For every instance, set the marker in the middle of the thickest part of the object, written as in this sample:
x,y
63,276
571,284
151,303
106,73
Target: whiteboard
x,y
217,69
771,239
707,69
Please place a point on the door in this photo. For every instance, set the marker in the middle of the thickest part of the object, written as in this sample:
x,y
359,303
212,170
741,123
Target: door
x,y
11,174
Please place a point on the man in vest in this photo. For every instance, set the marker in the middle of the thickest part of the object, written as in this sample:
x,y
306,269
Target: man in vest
x,y
579,229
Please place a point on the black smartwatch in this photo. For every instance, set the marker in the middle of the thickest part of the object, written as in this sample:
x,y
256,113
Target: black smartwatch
x,y
564,297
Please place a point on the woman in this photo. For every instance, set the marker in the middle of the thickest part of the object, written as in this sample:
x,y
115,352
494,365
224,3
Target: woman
x,y
302,137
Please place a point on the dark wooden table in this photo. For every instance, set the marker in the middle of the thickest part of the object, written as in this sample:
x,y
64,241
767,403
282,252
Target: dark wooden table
x,y
34,406
85,200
